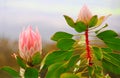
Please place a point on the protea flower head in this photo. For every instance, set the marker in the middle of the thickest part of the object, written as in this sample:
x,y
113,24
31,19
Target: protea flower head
x,y
85,15
29,43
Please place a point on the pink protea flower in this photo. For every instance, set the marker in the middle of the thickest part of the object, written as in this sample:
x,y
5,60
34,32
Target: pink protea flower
x,y
29,43
85,15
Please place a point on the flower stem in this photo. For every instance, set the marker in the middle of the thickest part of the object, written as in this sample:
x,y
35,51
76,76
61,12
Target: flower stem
x,y
88,47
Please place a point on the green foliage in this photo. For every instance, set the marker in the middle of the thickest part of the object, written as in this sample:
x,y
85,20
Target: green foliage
x,y
69,21
11,71
31,73
36,59
57,56
111,62
61,35
113,43
73,60
97,31
98,71
111,39
80,26
93,21
21,62
98,53
65,44
107,34
107,50
55,70
68,75
90,71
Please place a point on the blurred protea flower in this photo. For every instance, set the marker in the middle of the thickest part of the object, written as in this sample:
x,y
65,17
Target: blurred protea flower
x,y
85,15
29,43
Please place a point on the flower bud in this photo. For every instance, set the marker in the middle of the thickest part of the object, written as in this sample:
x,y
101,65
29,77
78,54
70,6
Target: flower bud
x,y
29,43
84,15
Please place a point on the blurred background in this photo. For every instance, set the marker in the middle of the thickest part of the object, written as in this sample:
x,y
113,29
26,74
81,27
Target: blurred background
x,y
47,15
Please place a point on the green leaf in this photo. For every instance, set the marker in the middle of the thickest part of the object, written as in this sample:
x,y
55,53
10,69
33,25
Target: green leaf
x,y
97,31
69,21
98,71
55,70
60,35
107,50
57,56
80,26
93,21
11,71
73,60
111,62
68,75
107,34
90,71
31,73
110,38
21,62
98,53
113,43
36,59
65,44
111,67
112,57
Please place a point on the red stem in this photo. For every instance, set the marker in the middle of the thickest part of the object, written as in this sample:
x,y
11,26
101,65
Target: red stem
x,y
88,47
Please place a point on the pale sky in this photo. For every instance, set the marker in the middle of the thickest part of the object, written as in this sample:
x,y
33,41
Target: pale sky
x,y
47,15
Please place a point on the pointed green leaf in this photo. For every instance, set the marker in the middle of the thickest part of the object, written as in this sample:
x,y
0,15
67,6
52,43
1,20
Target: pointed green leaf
x,y
80,26
68,75
113,43
98,53
90,71
65,44
112,57
21,62
31,73
11,71
93,21
107,50
57,56
73,60
111,67
36,59
60,35
111,62
69,21
98,71
107,34
55,70
97,31
110,38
